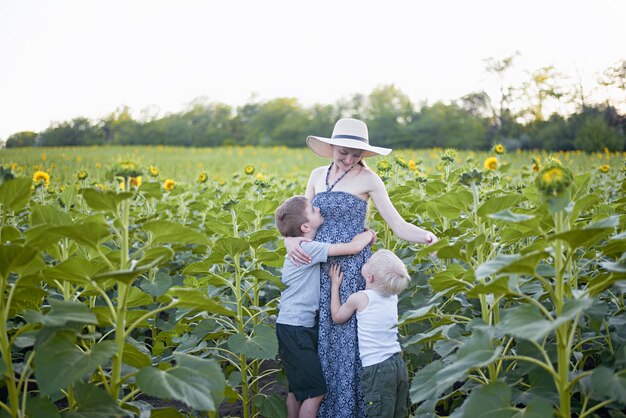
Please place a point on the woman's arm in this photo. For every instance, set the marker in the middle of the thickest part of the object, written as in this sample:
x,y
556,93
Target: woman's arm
x,y
389,213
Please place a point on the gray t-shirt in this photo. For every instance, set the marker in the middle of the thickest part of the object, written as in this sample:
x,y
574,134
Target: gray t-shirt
x,y
300,301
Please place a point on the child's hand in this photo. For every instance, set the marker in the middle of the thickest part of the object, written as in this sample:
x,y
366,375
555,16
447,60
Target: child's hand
x,y
336,275
373,241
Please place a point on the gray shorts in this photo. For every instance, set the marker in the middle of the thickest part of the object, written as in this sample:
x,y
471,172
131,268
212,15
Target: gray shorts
x,y
386,388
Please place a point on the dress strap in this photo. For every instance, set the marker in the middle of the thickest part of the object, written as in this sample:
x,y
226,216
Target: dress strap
x,y
329,188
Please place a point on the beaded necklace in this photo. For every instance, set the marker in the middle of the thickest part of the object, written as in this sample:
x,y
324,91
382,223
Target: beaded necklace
x,y
329,188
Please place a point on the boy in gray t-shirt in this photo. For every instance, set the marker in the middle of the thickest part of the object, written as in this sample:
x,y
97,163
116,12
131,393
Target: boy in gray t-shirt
x,y
296,325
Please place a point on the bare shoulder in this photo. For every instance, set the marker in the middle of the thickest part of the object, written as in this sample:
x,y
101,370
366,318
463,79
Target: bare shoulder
x,y
358,300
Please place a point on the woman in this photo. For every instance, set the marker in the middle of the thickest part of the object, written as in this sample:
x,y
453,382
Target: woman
x,y
342,192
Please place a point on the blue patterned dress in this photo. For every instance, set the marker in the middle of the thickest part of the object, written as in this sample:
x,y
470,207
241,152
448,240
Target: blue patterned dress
x,y
344,217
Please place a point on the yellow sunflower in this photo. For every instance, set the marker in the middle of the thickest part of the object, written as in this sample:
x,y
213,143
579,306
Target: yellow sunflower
x,y
82,175
383,166
499,149
491,163
153,171
169,185
604,168
203,177
135,181
249,170
41,178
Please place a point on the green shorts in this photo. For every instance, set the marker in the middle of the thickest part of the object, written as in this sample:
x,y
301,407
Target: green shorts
x,y
297,347
386,388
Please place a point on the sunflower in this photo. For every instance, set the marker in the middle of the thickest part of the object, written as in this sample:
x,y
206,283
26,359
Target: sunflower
x,y
604,168
536,166
401,162
499,149
203,177
169,185
82,175
491,163
41,178
249,170
135,181
153,171
126,169
554,179
383,166
412,165
448,156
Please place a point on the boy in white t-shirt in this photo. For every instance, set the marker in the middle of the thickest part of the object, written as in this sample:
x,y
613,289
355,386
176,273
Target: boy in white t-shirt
x,y
296,325
385,378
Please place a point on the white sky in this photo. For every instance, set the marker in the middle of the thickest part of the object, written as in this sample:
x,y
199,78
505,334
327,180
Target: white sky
x,y
60,59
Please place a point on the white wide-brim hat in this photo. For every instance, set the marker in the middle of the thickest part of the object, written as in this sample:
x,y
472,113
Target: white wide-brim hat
x,y
348,133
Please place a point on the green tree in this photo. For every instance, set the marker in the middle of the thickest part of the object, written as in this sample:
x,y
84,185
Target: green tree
x,y
389,111
595,134
78,131
21,139
443,125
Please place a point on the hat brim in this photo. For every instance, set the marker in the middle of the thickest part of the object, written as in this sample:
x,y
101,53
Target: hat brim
x,y
324,146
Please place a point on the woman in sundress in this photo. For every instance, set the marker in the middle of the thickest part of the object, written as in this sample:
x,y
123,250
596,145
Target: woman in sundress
x,y
342,191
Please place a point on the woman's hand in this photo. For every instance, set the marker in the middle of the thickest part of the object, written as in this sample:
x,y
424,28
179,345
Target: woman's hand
x,y
295,252
430,238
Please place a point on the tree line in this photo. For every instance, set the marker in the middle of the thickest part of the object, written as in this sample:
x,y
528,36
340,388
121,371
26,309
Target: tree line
x,y
516,117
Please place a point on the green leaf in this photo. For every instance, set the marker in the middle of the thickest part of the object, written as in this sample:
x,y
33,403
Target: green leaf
x,y
527,322
489,401
89,233
107,201
508,216
262,344
450,205
268,277
9,234
499,204
162,282
165,413
15,194
154,257
497,287
164,232
231,246
26,296
450,280
417,315
514,263
62,313
261,237
49,215
606,384
576,238
93,402
271,406
151,189
60,363
194,381
76,270
195,299
437,377
41,407
136,355
13,257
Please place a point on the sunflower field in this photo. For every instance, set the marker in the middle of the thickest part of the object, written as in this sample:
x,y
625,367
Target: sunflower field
x,y
131,274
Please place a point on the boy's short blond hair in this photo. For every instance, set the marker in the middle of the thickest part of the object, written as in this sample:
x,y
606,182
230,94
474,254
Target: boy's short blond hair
x,y
390,273
291,215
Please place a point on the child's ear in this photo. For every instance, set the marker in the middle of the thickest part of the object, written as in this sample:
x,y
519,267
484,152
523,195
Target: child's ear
x,y
305,228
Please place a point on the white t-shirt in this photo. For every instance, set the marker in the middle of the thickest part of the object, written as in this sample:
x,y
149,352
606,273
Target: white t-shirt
x,y
378,328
